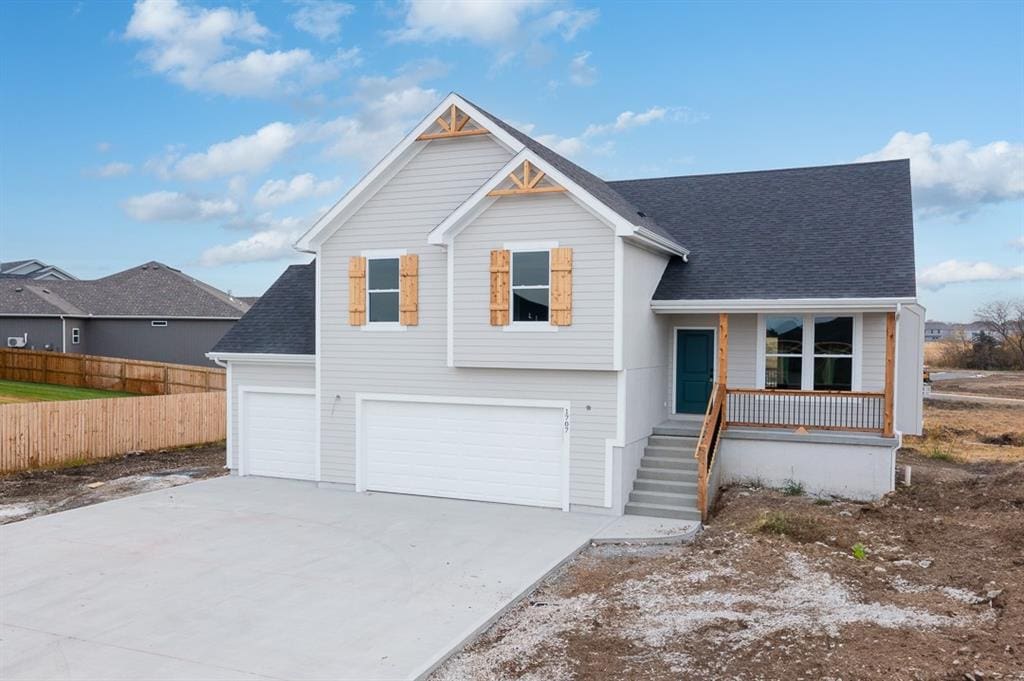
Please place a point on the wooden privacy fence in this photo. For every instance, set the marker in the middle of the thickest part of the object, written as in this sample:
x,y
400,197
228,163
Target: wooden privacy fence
x,y
41,434
108,373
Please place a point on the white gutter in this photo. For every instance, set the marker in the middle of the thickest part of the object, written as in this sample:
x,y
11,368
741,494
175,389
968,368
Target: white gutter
x,y
779,305
265,357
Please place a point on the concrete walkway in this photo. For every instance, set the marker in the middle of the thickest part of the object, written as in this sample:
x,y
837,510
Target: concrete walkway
x,y
969,397
265,579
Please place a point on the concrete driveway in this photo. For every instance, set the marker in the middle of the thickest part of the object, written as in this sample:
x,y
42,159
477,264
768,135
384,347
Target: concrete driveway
x,y
248,578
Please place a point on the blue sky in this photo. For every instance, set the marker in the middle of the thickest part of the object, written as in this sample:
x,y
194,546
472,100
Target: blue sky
x,y
208,135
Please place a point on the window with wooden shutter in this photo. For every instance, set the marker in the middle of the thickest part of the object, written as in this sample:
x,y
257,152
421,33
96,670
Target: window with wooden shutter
x,y
561,286
499,287
357,290
410,290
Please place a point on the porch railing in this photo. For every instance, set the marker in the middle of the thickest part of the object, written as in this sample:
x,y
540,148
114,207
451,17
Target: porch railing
x,y
849,411
707,445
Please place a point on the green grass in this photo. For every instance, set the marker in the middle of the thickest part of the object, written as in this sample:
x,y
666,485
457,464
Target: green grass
x,y
16,391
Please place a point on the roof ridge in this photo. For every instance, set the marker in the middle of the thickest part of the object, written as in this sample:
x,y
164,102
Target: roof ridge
x,y
763,170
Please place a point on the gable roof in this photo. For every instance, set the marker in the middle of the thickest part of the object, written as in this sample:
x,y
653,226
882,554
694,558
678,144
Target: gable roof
x,y
149,290
282,321
33,269
841,231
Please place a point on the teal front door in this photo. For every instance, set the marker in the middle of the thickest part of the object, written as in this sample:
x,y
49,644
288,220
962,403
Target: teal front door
x,y
695,367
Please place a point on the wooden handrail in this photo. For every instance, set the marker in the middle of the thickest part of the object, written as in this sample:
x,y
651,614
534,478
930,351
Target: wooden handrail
x,y
707,445
813,409
806,393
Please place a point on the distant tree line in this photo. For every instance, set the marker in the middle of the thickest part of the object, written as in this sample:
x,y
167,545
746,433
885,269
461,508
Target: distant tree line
x,y
999,346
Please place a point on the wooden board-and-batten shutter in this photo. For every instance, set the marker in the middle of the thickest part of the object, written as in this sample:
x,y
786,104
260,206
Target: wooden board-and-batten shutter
x,y
561,286
409,290
499,287
356,290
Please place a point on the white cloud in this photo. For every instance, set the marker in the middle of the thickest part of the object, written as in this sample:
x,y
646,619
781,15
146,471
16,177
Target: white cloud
x,y
279,192
272,242
957,272
113,169
194,46
321,18
508,26
244,154
1018,243
581,72
165,206
956,178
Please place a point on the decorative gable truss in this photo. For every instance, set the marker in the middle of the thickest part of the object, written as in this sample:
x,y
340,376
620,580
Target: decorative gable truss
x,y
527,179
453,123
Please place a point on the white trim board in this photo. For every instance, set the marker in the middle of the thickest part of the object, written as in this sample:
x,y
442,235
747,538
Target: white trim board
x,y
822,305
360,398
261,357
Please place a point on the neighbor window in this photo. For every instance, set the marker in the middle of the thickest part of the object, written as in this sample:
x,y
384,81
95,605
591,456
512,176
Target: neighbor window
x,y
531,286
76,336
158,322
382,289
783,352
833,353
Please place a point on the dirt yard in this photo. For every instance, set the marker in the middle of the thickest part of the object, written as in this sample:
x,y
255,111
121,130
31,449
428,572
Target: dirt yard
x,y
990,383
926,584
31,493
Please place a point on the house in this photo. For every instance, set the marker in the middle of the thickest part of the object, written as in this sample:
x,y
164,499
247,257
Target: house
x,y
487,320
152,312
34,269
937,331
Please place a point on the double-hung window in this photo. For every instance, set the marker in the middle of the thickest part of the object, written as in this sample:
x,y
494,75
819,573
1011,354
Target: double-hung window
x,y
531,286
76,336
382,289
809,352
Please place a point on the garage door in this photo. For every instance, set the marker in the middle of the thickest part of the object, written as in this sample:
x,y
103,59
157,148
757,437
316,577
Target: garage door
x,y
278,435
510,454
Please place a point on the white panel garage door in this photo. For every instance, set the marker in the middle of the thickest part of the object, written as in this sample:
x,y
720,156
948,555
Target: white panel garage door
x,y
278,435
510,454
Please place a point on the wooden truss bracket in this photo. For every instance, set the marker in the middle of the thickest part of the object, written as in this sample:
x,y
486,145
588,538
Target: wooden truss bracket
x,y
526,182
452,124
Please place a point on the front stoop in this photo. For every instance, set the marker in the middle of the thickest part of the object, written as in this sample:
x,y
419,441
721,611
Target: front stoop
x,y
666,483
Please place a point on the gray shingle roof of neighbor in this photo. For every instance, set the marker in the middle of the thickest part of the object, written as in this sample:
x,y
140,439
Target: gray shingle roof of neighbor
x,y
149,290
282,321
841,231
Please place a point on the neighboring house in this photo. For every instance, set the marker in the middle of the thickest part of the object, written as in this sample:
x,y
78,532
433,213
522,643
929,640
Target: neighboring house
x,y
486,320
149,312
936,331
34,269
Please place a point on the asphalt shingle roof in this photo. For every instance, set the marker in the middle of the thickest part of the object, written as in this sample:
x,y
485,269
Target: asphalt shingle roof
x,y
282,321
149,290
842,231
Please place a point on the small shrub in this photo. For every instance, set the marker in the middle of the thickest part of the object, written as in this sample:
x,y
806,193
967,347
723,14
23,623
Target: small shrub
x,y
860,552
939,450
797,527
793,488
822,502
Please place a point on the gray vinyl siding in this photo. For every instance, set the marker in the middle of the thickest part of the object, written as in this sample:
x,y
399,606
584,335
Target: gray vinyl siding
x,y
646,344
743,350
585,344
873,352
264,375
44,333
182,341
414,361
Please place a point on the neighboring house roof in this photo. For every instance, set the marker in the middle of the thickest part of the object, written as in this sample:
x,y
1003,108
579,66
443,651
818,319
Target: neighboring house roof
x,y
282,321
149,290
842,231
33,269
248,300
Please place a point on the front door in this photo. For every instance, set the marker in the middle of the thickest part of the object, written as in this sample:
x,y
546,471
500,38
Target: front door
x,y
695,366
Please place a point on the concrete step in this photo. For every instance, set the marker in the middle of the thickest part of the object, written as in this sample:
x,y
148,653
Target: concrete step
x,y
669,452
663,475
675,463
665,486
672,441
663,511
662,499
679,429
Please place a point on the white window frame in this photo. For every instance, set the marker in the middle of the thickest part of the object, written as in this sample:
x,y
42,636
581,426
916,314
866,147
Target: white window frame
x,y
807,356
159,323
384,254
76,335
528,247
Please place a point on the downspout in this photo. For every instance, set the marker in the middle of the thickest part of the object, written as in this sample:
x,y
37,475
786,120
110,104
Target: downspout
x,y
63,334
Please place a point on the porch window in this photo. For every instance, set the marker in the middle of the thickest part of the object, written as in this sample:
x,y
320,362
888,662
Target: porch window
x,y
833,353
783,352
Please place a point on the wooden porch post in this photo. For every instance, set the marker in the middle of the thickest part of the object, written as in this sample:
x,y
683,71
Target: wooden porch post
x,y
723,357
890,373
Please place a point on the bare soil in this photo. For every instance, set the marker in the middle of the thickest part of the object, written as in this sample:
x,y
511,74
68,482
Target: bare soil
x,y
38,492
927,583
970,431
990,383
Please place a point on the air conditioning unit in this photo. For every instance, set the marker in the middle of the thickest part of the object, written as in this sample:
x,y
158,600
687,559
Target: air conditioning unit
x,y
17,341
